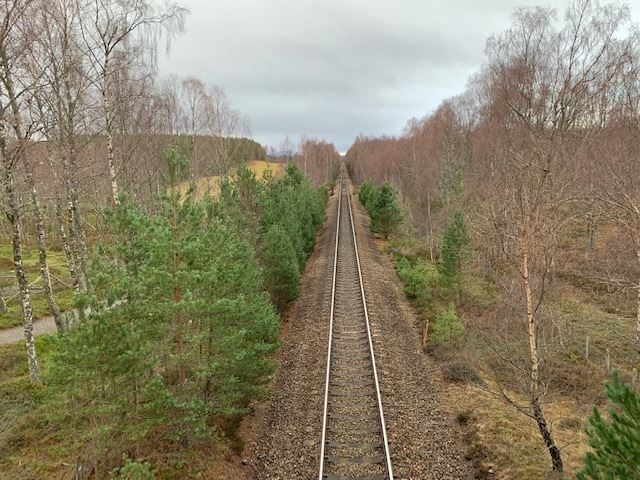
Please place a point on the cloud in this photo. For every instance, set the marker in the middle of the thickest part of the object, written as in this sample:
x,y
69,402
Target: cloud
x,y
335,68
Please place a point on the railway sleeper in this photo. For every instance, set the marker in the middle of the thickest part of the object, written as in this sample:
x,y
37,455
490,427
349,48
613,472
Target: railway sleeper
x,y
344,445
362,383
359,431
366,416
352,394
377,460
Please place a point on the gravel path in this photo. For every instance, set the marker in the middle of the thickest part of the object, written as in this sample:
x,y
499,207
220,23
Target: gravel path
x,y
422,440
16,334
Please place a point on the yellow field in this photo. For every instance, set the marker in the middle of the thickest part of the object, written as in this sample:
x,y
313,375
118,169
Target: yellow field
x,y
211,185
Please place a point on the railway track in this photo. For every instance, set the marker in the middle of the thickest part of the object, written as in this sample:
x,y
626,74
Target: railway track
x,y
354,443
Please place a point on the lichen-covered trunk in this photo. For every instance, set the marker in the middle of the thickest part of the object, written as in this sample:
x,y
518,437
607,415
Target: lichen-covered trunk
x,y
66,249
42,254
15,222
112,167
108,129
534,355
554,451
77,242
25,295
9,162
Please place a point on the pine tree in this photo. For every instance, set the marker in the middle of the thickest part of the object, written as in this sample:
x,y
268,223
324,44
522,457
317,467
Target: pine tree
x,y
384,209
455,251
186,338
282,273
366,193
293,203
615,443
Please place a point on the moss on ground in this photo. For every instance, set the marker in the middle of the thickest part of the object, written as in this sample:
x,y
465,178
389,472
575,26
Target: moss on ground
x,y
58,268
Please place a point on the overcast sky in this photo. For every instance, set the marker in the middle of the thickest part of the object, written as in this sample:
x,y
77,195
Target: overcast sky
x,y
335,68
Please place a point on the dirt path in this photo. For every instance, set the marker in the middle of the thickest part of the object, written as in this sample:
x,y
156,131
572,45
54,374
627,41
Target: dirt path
x,y
15,334
285,443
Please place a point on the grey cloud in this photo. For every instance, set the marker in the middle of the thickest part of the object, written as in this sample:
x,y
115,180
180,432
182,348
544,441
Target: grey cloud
x,y
335,68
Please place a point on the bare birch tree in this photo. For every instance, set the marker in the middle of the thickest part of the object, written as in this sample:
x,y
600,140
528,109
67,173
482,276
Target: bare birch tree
x,y
543,85
117,32
16,131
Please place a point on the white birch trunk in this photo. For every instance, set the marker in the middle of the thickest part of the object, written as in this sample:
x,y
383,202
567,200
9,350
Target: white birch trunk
x,y
13,215
536,404
112,166
42,255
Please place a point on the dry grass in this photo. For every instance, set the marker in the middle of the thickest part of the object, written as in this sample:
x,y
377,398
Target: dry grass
x,y
503,442
211,185
512,444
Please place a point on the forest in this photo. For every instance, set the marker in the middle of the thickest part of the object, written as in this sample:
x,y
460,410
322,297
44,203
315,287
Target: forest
x,y
165,297
521,242
166,248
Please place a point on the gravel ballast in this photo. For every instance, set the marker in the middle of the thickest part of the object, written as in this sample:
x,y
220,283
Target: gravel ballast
x,y
423,442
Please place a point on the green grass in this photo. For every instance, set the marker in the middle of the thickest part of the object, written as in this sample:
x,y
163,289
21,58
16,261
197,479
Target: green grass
x,y
32,443
58,268
605,330
13,317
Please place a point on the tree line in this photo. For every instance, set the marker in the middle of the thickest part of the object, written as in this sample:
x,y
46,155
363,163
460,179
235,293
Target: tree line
x,y
543,143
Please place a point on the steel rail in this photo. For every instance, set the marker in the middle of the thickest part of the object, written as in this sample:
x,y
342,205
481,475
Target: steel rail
x,y
369,337
333,301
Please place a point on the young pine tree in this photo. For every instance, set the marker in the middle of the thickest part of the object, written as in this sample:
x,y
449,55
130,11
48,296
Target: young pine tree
x,y
366,193
615,443
384,209
188,331
455,252
282,273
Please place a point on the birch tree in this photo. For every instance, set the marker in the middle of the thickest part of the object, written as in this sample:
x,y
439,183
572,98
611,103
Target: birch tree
x,y
223,124
619,190
117,32
64,103
543,83
16,131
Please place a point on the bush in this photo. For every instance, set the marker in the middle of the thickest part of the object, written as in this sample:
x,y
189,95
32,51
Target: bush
x,y
448,330
134,470
459,371
464,417
415,279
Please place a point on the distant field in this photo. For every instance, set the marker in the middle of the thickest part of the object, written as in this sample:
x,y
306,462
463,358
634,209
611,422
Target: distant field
x,y
211,185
